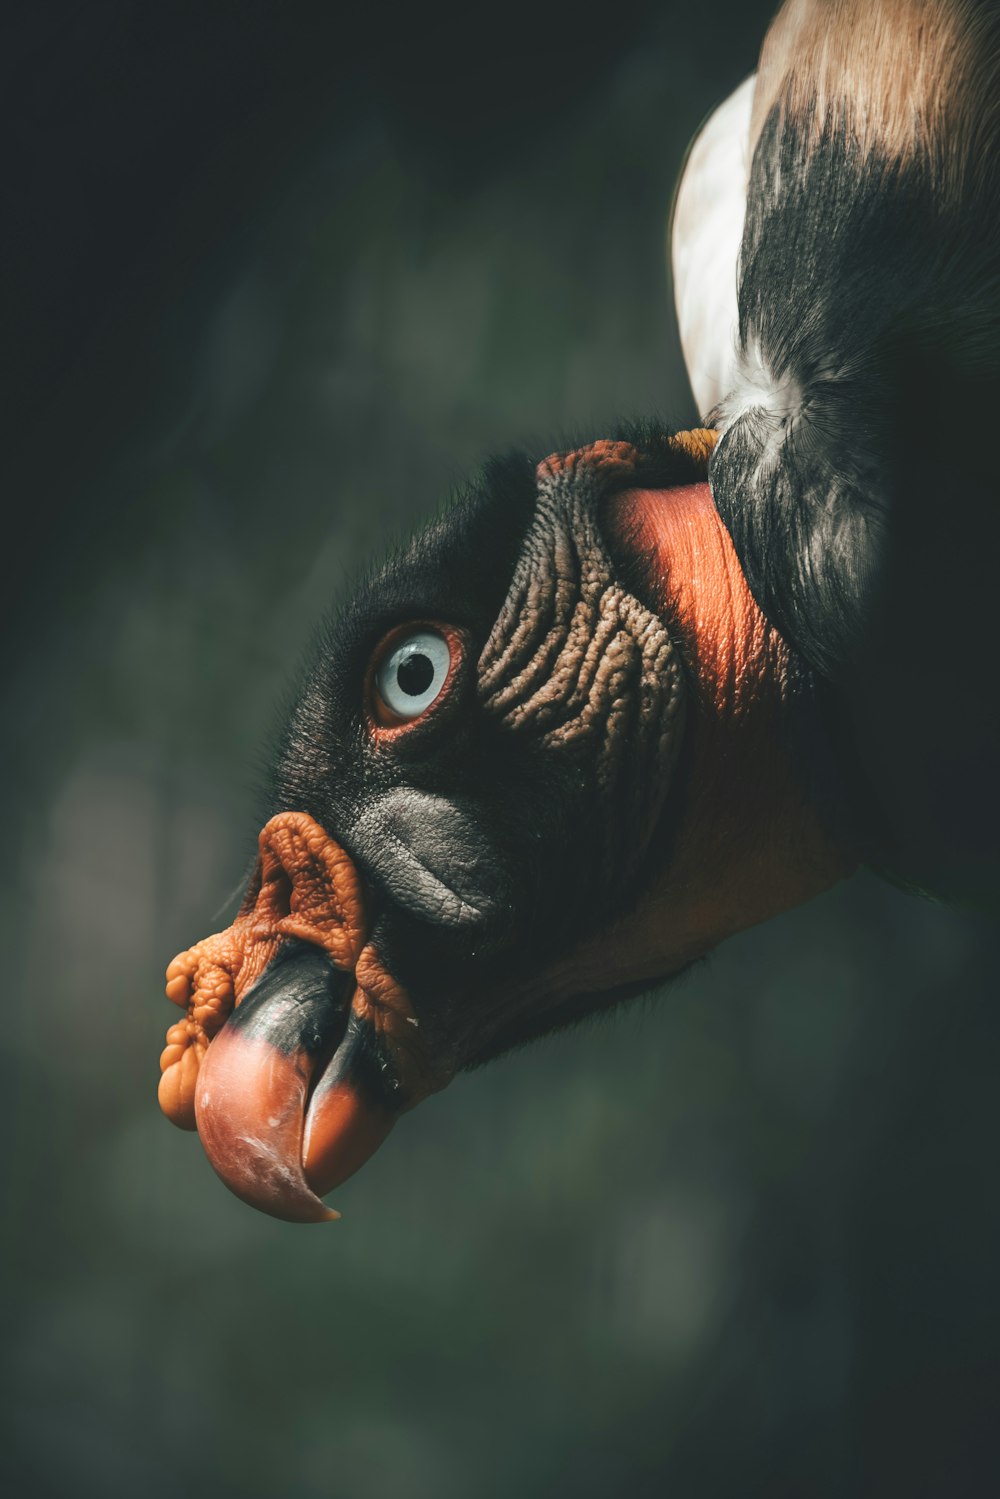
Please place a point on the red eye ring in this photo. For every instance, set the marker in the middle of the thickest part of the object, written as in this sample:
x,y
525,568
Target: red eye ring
x,y
384,722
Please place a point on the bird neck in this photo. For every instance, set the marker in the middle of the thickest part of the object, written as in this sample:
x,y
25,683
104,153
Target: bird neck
x,y
749,840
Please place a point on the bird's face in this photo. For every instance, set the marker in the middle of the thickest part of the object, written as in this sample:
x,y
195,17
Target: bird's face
x,y
476,806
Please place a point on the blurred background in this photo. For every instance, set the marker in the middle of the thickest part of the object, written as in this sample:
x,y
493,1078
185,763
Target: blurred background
x,y
275,278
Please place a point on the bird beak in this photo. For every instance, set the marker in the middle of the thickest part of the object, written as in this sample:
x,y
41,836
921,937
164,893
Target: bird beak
x,y
287,1103
299,1050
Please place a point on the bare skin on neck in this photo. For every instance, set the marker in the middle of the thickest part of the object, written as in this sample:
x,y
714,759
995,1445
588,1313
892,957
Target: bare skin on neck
x,y
749,845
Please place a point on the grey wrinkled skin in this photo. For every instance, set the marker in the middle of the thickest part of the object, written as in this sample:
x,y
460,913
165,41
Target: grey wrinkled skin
x,y
575,659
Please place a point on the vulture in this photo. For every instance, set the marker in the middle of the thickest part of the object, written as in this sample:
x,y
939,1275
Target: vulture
x,y
618,703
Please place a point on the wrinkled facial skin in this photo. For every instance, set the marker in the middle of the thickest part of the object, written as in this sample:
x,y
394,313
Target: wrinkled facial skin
x,y
518,814
471,846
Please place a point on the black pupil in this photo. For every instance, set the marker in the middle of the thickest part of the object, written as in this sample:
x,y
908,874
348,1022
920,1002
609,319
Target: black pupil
x,y
415,674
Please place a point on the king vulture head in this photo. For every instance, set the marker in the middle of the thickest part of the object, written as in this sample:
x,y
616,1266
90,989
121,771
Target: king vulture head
x,y
508,795
618,703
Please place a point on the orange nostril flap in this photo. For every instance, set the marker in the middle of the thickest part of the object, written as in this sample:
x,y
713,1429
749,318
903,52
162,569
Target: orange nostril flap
x,y
304,885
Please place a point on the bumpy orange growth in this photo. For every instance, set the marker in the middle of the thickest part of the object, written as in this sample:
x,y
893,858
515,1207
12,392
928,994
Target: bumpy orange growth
x,y
305,886
608,456
698,443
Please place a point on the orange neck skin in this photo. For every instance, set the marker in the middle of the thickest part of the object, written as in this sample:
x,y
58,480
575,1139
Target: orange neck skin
x,y
748,844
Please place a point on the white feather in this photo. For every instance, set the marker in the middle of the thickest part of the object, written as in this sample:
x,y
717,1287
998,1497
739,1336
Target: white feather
x,y
705,246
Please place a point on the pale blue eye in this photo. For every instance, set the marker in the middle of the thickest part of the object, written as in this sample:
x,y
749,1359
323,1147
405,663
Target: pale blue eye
x,y
413,673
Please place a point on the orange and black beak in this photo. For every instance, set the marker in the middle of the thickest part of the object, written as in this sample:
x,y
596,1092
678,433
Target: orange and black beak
x,y
300,1084
296,1091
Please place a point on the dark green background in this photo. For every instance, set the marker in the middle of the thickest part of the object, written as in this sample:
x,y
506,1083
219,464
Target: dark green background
x,y
276,279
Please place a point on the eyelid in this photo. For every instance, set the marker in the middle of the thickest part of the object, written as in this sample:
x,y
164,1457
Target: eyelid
x,y
384,725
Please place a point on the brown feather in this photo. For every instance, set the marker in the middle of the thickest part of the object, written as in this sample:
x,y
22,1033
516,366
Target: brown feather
x,y
908,78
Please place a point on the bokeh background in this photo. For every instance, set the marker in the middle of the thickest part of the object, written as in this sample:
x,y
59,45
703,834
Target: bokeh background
x,y
275,278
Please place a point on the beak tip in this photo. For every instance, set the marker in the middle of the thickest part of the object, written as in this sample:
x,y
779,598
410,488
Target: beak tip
x,y
300,1207
249,1107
